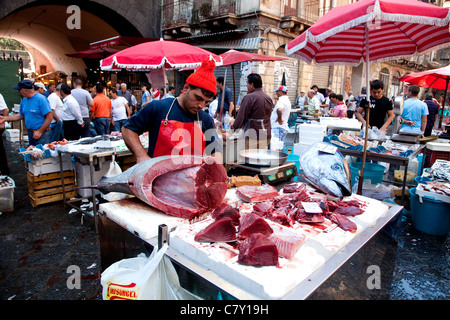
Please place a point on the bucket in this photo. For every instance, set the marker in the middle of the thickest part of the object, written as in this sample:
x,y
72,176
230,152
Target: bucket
x,y
431,216
372,171
295,158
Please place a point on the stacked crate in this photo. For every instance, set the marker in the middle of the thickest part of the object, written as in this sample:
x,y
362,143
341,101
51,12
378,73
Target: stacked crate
x,y
47,188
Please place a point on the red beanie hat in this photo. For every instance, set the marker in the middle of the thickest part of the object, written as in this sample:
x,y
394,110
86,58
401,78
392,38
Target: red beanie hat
x,y
204,77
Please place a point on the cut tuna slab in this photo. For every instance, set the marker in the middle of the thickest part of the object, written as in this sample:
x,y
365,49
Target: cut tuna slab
x,y
219,230
343,222
256,193
258,250
287,242
225,210
252,223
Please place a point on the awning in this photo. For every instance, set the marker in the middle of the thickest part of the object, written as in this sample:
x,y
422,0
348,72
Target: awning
x,y
241,44
119,41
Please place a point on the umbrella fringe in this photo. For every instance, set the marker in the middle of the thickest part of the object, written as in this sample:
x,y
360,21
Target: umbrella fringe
x,y
374,15
144,67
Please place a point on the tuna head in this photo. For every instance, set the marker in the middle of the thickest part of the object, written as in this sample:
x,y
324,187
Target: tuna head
x,y
328,172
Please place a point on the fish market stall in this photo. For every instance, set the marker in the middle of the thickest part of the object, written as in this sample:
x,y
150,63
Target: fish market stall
x,y
253,241
326,247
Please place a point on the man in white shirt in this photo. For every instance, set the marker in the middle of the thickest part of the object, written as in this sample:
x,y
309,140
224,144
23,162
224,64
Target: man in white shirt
x,y
4,166
71,115
85,101
314,103
120,110
318,94
302,100
280,114
57,105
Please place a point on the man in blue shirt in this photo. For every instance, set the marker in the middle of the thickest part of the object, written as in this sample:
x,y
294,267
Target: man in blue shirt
x,y
36,111
414,115
228,105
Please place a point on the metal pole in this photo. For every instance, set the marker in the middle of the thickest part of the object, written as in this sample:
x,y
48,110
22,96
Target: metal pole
x,y
367,111
443,104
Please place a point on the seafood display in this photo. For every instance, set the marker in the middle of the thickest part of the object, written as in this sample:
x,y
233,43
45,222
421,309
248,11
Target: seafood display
x,y
329,172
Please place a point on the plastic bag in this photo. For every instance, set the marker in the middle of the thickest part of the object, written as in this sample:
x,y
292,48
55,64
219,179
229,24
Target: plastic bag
x,y
114,170
141,278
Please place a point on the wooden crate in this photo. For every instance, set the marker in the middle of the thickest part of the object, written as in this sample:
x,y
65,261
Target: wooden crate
x,y
126,162
47,188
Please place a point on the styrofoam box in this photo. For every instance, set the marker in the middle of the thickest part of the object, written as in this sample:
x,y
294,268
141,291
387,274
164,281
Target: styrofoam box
x,y
436,146
49,165
299,148
431,195
7,197
83,176
12,135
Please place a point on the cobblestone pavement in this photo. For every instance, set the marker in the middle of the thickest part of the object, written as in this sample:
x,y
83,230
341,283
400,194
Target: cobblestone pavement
x,y
40,246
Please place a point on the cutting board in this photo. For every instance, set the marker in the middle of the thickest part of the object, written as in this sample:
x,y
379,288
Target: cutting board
x,y
138,217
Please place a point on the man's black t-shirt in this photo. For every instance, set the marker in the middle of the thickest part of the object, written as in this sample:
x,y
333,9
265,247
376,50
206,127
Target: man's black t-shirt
x,y
378,111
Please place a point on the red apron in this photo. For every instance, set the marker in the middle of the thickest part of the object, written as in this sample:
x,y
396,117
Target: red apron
x,y
179,138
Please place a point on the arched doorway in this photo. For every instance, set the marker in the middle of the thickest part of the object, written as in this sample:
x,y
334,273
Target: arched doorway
x,y
384,76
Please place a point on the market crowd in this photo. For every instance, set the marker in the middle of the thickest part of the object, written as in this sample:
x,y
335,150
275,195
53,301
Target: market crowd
x,y
59,112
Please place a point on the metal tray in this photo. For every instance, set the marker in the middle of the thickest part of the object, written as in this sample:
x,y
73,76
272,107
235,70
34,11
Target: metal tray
x,y
265,158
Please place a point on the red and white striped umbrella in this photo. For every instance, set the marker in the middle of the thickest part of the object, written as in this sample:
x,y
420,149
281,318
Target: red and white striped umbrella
x,y
372,30
396,28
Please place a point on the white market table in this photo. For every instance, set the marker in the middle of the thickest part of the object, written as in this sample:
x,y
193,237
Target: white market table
x,y
121,219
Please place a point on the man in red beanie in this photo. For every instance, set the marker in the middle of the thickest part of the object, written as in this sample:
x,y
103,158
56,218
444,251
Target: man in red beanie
x,y
177,126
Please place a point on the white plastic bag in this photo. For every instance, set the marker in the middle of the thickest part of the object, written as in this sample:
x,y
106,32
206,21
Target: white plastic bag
x,y
141,278
114,170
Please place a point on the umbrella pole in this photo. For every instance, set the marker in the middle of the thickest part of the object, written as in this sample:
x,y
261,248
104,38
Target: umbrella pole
x,y
367,112
443,104
234,91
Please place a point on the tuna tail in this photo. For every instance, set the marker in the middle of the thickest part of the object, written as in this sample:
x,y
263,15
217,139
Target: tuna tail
x,y
118,183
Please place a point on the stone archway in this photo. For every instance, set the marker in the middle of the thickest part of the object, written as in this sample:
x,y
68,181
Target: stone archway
x,y
43,27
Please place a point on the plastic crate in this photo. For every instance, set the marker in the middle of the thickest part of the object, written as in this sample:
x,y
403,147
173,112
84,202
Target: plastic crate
x,y
431,156
7,194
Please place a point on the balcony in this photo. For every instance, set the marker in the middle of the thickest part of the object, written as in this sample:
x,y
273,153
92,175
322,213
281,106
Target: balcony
x,y
295,19
184,17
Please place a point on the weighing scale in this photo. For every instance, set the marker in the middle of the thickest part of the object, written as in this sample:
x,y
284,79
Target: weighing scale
x,y
270,175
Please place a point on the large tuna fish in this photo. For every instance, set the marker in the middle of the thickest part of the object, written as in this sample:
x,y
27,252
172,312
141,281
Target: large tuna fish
x,y
182,186
328,172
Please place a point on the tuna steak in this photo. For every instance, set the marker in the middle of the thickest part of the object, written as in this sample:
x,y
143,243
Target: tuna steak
x,y
287,242
256,193
219,230
182,186
252,223
329,173
225,210
343,222
258,251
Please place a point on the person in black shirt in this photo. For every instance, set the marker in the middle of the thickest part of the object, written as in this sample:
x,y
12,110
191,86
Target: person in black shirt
x,y
380,107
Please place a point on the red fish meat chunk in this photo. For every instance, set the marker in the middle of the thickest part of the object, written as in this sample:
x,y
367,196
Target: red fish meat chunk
x,y
343,222
258,250
262,208
287,243
294,188
225,210
348,211
256,193
304,217
252,223
219,230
